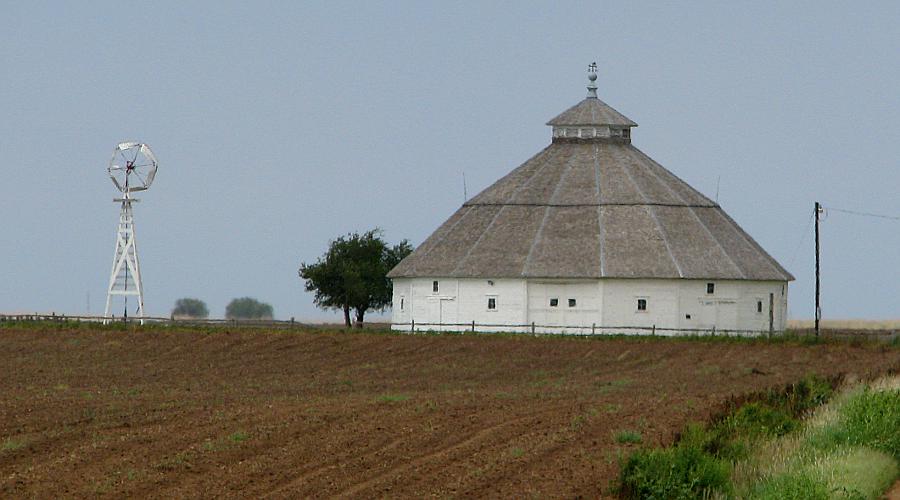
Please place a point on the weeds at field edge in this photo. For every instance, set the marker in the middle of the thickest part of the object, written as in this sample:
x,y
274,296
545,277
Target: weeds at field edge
x,y
787,337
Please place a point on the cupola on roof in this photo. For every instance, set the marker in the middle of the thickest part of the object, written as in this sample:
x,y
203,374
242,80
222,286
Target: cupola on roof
x,y
592,111
591,205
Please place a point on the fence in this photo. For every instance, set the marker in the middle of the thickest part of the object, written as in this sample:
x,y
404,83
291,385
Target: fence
x,y
582,330
53,317
890,334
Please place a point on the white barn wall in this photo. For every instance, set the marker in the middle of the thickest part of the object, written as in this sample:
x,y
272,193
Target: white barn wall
x,y
601,303
458,301
732,305
587,312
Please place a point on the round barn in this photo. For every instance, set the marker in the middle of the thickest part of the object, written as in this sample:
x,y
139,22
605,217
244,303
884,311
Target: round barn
x,y
590,235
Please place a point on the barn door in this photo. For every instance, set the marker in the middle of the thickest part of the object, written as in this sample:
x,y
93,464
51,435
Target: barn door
x,y
707,316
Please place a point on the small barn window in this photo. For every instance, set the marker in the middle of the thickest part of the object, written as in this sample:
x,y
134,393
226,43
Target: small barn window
x,y
402,302
434,286
642,305
554,302
492,303
572,302
759,306
687,316
710,288
626,133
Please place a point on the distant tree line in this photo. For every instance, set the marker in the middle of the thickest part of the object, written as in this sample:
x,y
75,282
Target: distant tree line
x,y
350,277
190,308
248,308
241,308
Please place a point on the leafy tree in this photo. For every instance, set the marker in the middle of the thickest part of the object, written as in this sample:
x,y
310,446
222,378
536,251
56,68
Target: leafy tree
x,y
191,308
248,308
352,275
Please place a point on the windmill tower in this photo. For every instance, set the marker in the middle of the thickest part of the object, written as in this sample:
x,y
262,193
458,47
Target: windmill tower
x,y
131,168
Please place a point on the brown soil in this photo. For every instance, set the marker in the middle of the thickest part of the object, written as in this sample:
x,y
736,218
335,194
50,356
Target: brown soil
x,y
248,413
894,492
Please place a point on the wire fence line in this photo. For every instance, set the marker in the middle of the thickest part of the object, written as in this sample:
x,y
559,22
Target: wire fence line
x,y
452,328
171,321
580,330
413,326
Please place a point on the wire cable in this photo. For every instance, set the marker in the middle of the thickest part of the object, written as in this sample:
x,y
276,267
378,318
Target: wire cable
x,y
802,239
864,214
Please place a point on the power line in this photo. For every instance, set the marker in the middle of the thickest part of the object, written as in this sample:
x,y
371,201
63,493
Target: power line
x,y
802,239
863,214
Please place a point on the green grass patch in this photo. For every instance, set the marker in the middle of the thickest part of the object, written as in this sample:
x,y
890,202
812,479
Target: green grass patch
x,y
612,407
871,418
179,461
628,437
840,473
849,448
225,442
11,444
238,437
613,385
858,472
392,398
790,486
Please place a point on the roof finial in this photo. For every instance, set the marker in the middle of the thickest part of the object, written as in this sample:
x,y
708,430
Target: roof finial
x,y
592,76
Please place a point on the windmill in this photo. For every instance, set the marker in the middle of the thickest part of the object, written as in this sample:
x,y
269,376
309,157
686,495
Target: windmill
x,y
132,169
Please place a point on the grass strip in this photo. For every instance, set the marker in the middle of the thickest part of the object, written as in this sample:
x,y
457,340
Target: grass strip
x,y
847,448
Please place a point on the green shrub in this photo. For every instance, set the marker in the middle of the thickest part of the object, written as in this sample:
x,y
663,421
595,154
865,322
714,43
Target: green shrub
x,y
673,473
757,419
873,419
731,439
810,392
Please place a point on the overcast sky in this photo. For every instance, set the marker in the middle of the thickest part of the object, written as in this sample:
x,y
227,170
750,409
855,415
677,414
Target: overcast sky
x,y
279,126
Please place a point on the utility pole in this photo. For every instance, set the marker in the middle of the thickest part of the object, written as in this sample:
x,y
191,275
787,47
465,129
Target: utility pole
x,y
817,211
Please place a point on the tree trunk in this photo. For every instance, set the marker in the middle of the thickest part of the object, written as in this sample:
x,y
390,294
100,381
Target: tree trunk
x,y
347,316
360,313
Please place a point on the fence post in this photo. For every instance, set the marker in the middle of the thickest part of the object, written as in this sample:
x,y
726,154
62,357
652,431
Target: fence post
x,y
473,326
714,330
412,327
654,330
532,327
593,328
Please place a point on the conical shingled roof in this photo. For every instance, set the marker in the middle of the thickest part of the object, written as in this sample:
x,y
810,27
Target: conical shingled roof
x,y
592,111
591,208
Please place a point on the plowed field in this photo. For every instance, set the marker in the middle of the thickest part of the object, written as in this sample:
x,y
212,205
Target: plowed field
x,y
251,413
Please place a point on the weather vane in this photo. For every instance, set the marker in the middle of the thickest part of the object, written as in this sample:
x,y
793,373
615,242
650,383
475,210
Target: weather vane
x,y
592,76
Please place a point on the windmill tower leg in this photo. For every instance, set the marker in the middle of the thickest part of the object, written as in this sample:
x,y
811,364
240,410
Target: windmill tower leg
x,y
125,276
